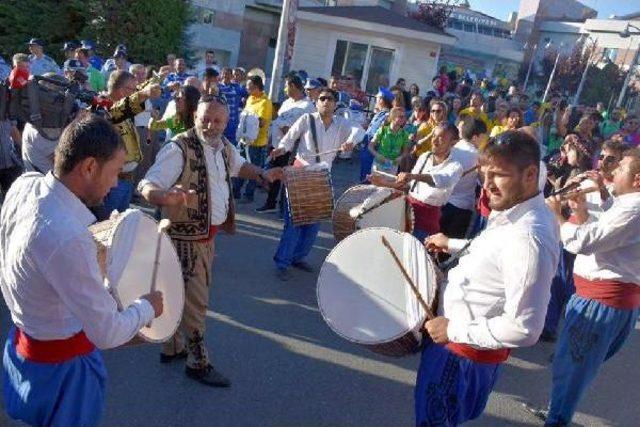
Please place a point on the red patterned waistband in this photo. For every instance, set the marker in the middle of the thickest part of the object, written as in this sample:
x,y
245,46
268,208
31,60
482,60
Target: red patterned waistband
x,y
476,355
54,351
625,296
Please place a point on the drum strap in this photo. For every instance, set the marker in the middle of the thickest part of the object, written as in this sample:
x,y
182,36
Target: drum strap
x,y
424,165
314,135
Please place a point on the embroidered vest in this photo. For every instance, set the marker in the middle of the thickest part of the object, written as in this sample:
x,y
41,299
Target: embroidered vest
x,y
194,222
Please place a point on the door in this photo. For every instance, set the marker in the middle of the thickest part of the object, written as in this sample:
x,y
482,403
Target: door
x,y
379,68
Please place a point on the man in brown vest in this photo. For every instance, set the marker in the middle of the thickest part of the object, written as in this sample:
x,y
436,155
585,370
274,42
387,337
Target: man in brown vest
x,y
191,181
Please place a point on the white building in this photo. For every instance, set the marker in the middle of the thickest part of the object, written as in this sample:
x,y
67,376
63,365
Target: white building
x,y
374,44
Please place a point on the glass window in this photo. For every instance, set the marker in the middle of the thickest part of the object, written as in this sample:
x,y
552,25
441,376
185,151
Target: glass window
x,y
349,59
470,28
610,53
379,68
457,25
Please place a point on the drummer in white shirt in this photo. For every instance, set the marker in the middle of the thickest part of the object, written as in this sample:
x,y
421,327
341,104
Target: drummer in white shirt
x,y
431,181
332,132
603,311
457,213
495,298
51,282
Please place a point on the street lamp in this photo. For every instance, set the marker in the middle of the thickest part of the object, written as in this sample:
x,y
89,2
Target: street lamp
x,y
584,38
553,71
533,57
625,34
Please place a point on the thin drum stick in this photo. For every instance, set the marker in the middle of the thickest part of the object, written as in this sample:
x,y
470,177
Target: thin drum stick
x,y
322,153
468,171
385,174
163,225
415,290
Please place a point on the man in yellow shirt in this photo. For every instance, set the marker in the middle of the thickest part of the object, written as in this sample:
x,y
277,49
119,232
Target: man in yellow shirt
x,y
259,104
475,109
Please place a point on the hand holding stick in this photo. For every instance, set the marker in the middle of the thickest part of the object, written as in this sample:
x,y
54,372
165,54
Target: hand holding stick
x,y
414,288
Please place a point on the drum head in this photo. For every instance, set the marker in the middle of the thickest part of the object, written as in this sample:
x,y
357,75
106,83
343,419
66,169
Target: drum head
x,y
362,293
391,214
130,266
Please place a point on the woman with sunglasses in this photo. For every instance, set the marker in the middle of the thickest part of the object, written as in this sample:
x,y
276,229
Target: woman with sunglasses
x,y
437,117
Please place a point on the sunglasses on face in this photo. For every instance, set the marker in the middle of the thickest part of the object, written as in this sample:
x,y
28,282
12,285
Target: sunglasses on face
x,y
606,159
326,98
437,110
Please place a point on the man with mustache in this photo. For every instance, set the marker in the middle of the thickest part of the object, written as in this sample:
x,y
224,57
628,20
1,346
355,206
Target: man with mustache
x,y
191,182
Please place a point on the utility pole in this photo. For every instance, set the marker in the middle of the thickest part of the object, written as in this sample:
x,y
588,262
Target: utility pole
x,y
288,9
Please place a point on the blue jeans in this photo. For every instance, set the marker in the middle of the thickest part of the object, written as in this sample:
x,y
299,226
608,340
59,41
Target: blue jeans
x,y
295,242
562,288
366,159
592,333
258,156
450,389
119,197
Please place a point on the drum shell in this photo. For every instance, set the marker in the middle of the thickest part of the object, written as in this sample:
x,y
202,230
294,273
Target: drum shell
x,y
344,224
309,194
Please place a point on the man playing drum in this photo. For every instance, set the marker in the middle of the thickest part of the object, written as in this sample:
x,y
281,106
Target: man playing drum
x,y
331,132
52,284
191,181
496,298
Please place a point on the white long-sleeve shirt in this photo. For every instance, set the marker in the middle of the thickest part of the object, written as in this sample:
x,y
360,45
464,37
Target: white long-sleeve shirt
x,y
609,248
445,177
463,195
49,271
497,296
339,131
167,168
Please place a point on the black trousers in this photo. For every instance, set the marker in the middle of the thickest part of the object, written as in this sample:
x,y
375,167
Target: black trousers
x,y
274,187
7,176
454,221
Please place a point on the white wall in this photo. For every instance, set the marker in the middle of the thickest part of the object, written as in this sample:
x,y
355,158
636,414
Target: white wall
x,y
315,47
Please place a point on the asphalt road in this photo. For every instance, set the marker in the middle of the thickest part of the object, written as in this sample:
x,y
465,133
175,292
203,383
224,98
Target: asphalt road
x,y
289,369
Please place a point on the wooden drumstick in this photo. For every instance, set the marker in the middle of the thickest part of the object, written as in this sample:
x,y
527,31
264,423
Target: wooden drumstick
x,y
468,171
413,286
162,225
323,153
385,174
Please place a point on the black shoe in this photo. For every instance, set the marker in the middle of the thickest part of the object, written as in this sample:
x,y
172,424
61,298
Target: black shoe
x,y
541,414
167,358
304,266
283,274
548,336
266,209
208,376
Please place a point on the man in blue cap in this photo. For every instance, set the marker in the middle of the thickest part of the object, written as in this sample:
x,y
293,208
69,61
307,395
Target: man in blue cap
x,y
69,49
117,62
312,87
384,100
94,59
39,62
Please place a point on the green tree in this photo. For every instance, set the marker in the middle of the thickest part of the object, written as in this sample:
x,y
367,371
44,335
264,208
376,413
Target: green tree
x,y
50,20
149,28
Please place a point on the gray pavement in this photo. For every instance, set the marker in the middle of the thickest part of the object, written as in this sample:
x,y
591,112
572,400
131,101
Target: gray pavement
x,y
289,369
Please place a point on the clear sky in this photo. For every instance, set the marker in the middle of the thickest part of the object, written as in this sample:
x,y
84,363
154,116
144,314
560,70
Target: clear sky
x,y
501,8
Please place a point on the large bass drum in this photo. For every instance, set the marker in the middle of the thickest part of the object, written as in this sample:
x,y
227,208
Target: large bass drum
x,y
126,247
364,206
364,297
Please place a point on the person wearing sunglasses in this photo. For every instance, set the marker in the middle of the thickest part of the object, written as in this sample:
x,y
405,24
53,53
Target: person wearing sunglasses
x,y
475,108
438,116
191,182
317,133
494,300
603,312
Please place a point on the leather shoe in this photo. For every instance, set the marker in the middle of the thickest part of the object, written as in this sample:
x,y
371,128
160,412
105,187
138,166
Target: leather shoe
x,y
304,266
167,358
208,376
